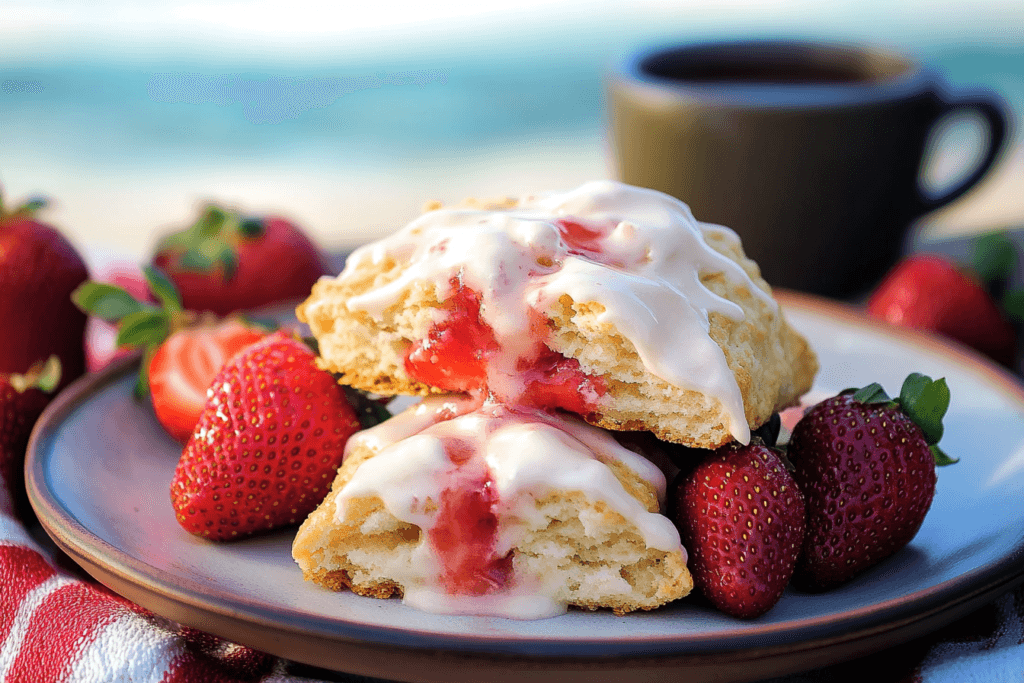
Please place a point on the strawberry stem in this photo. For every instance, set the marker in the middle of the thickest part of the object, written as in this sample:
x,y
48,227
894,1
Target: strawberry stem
x,y
209,243
43,375
26,210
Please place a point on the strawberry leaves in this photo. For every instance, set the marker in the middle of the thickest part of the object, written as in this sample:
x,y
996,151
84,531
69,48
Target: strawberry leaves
x,y
140,323
995,260
210,244
106,301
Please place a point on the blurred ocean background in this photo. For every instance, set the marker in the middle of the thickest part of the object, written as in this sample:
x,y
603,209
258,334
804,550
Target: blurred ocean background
x,y
349,118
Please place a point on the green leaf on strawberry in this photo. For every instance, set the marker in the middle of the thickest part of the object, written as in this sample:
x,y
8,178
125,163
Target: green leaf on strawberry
x,y
922,399
163,289
44,376
143,328
995,260
109,302
925,402
995,256
207,245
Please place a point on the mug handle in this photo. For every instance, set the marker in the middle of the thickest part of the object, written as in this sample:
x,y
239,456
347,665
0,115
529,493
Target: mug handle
x,y
994,113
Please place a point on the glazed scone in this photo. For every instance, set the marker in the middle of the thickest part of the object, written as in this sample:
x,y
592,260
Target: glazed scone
x,y
468,509
610,301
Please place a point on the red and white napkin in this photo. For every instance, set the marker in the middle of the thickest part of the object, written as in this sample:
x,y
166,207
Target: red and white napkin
x,y
56,626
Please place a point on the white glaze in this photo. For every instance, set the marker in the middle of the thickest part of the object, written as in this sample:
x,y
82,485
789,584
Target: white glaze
x,y
652,255
527,455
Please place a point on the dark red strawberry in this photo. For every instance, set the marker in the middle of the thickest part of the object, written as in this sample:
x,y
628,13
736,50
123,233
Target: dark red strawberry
x,y
267,445
39,268
22,400
228,262
866,466
741,518
183,351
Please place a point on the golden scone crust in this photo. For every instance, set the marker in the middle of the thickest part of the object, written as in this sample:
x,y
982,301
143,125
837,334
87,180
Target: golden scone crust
x,y
589,548
773,365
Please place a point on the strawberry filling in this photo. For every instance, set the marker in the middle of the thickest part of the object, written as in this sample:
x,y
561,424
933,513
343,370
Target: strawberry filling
x,y
456,353
453,356
465,531
553,381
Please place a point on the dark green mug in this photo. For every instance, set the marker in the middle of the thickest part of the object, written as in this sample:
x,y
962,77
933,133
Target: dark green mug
x,y
812,152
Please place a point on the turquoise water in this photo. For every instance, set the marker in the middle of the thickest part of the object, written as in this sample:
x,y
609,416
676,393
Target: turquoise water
x,y
110,112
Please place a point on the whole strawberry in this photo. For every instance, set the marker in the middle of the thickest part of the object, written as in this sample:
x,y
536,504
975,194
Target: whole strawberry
x,y
741,518
930,292
22,399
38,271
866,466
267,445
227,262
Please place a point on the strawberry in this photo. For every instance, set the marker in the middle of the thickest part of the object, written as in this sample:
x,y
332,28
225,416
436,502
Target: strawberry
x,y
22,399
183,350
267,445
741,518
930,292
866,466
228,262
38,270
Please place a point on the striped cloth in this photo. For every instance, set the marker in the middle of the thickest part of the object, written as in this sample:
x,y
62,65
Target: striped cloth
x,y
56,625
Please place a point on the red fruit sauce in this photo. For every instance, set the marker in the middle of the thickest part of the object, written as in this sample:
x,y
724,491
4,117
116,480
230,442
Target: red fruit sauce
x,y
553,381
455,354
465,531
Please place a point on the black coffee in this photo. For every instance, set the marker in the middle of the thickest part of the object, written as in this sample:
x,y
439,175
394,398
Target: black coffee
x,y
794,65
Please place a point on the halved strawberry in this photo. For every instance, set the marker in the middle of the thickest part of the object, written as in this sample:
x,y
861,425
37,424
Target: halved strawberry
x,y
183,351
184,365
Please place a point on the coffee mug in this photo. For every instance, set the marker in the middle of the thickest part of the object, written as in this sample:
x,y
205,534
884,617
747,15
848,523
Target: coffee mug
x,y
812,152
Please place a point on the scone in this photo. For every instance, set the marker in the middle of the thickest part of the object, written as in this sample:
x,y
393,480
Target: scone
x,y
464,508
609,301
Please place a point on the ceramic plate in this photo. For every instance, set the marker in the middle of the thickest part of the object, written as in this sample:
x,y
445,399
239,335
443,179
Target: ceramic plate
x,y
99,470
